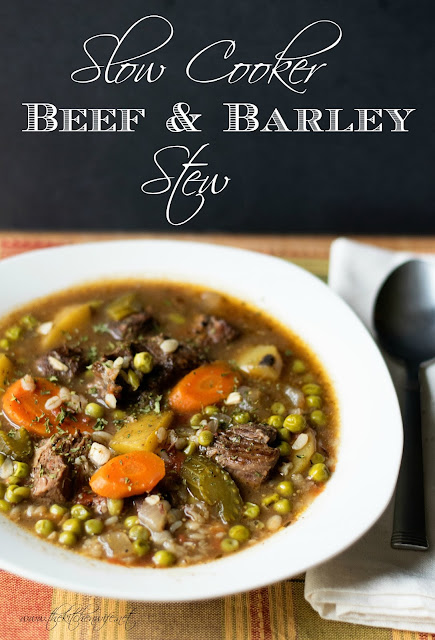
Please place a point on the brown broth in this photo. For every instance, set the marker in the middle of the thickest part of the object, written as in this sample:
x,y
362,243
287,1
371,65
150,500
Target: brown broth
x,y
173,308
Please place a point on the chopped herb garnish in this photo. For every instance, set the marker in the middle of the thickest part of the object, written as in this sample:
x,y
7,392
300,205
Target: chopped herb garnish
x,y
61,415
100,424
92,354
101,328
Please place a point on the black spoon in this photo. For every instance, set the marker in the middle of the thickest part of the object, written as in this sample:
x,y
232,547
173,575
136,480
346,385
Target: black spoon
x,y
404,319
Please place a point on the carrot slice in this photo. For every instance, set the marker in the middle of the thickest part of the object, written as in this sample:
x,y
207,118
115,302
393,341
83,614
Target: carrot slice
x,y
205,385
27,409
128,475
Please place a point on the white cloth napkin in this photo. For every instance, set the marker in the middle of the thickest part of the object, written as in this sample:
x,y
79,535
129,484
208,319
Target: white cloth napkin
x,y
371,583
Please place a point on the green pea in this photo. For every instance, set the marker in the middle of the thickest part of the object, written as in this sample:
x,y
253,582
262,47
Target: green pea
x,y
115,506
284,448
312,389
21,469
314,402
284,434
138,532
44,527
94,410
13,495
22,492
295,422
119,414
268,500
68,538
190,449
298,366
319,472
57,510
5,506
93,527
14,332
211,410
316,458
251,510
2,490
241,417
133,379
141,547
205,438
4,344
229,545
29,322
143,362
282,506
275,421
13,480
80,511
318,417
278,408
285,488
196,419
73,525
240,533
131,521
164,558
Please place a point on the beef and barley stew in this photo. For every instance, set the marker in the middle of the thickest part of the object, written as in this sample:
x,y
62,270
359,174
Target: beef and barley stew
x,y
158,424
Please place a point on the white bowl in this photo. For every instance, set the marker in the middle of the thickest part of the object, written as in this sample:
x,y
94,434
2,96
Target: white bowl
x,y
371,432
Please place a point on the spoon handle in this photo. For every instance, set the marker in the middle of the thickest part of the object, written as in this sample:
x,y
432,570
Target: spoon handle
x,y
409,527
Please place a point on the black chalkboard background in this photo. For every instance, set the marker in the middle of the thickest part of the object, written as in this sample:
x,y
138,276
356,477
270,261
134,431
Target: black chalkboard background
x,y
279,182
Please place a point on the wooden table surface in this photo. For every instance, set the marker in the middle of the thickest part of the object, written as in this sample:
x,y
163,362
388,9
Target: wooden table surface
x,y
310,246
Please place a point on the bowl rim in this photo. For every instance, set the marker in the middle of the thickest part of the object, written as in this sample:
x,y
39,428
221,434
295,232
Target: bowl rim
x,y
202,574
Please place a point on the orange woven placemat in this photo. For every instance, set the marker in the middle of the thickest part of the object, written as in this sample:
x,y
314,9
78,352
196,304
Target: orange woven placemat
x,y
31,611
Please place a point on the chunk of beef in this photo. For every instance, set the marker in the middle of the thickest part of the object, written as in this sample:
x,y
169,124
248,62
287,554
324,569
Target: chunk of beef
x,y
88,498
168,366
245,452
131,327
63,362
259,432
210,330
52,477
123,350
106,379
54,471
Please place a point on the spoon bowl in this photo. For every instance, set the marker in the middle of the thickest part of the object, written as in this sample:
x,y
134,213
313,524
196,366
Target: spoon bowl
x,y
405,312
404,319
